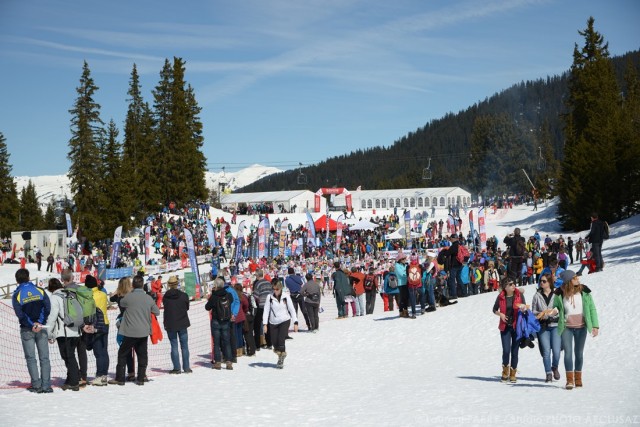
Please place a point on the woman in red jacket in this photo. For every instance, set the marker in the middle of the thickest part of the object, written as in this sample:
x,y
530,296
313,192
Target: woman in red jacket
x,y
156,288
509,301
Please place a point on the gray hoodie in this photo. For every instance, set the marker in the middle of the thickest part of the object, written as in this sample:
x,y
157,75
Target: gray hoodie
x,y
136,321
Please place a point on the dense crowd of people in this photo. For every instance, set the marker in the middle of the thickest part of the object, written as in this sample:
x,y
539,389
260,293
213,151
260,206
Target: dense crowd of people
x,y
254,302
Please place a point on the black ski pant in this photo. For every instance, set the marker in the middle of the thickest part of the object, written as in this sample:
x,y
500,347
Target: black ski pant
x,y
67,347
279,334
370,298
140,346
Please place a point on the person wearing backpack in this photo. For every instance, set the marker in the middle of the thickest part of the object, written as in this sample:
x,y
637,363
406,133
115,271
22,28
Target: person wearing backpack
x,y
516,244
390,287
277,316
135,328
370,290
32,307
66,276
401,275
261,290
311,292
100,336
357,282
341,288
67,337
219,304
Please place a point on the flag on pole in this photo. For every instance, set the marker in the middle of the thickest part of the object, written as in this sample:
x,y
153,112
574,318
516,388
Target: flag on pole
x,y
115,248
282,241
211,234
239,242
263,237
191,250
407,229
147,244
69,228
339,231
482,229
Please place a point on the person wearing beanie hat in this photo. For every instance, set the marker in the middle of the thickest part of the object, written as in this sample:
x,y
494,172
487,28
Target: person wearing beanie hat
x,y
100,332
577,316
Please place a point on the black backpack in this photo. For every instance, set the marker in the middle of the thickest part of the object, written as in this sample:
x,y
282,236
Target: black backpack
x,y
392,281
223,308
369,282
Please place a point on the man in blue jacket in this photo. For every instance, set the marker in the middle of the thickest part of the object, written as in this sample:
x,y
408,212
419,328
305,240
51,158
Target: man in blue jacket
x,y
32,307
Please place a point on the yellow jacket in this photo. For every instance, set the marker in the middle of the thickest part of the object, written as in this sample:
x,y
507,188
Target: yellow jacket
x,y
101,303
537,265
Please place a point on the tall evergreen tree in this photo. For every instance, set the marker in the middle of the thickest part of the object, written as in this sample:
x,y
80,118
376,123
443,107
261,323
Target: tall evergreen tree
x,y
113,212
50,221
628,151
591,132
87,135
141,187
181,164
30,212
9,204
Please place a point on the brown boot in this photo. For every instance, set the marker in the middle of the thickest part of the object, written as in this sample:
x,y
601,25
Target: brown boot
x,y
570,383
238,352
578,378
505,373
229,366
512,375
217,366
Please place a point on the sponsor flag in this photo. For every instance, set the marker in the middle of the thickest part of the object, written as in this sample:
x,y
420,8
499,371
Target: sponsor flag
x,y
339,231
471,228
282,241
191,250
115,248
211,234
147,244
311,229
407,229
263,237
69,228
239,242
482,229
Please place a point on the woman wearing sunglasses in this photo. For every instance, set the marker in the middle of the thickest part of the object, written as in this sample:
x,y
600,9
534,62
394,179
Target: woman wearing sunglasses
x,y
577,316
542,307
277,316
509,301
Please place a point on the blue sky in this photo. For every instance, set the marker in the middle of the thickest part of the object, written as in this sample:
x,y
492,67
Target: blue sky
x,y
282,82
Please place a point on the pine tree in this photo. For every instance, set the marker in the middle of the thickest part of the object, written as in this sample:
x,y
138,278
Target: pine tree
x,y
50,221
628,146
9,204
30,212
591,132
87,135
181,164
140,184
112,211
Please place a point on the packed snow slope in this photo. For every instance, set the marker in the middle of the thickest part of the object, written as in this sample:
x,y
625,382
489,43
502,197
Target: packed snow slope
x,y
441,369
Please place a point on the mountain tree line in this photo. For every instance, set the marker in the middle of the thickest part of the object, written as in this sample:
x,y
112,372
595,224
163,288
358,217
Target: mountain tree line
x,y
575,135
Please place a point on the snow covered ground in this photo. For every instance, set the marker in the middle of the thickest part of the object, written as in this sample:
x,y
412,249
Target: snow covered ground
x,y
441,369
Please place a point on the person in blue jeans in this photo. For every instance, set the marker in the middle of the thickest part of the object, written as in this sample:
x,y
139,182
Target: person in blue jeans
x,y
32,307
550,342
507,304
577,316
176,322
220,324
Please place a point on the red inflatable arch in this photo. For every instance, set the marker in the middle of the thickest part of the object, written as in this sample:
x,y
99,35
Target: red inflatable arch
x,y
323,191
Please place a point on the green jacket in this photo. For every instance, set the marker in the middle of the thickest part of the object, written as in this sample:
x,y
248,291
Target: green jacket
x,y
588,310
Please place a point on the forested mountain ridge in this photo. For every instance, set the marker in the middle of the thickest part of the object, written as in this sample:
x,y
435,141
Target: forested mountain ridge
x,y
531,110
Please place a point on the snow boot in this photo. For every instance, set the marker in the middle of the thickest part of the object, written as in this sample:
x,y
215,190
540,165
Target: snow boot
x,y
549,378
512,375
217,366
505,373
230,366
281,356
570,383
578,378
556,373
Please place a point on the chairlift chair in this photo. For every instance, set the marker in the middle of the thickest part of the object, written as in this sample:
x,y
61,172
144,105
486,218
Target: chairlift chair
x,y
426,172
302,178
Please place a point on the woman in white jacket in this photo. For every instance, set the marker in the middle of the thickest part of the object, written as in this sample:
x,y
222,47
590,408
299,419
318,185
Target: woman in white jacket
x,y
277,316
67,338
